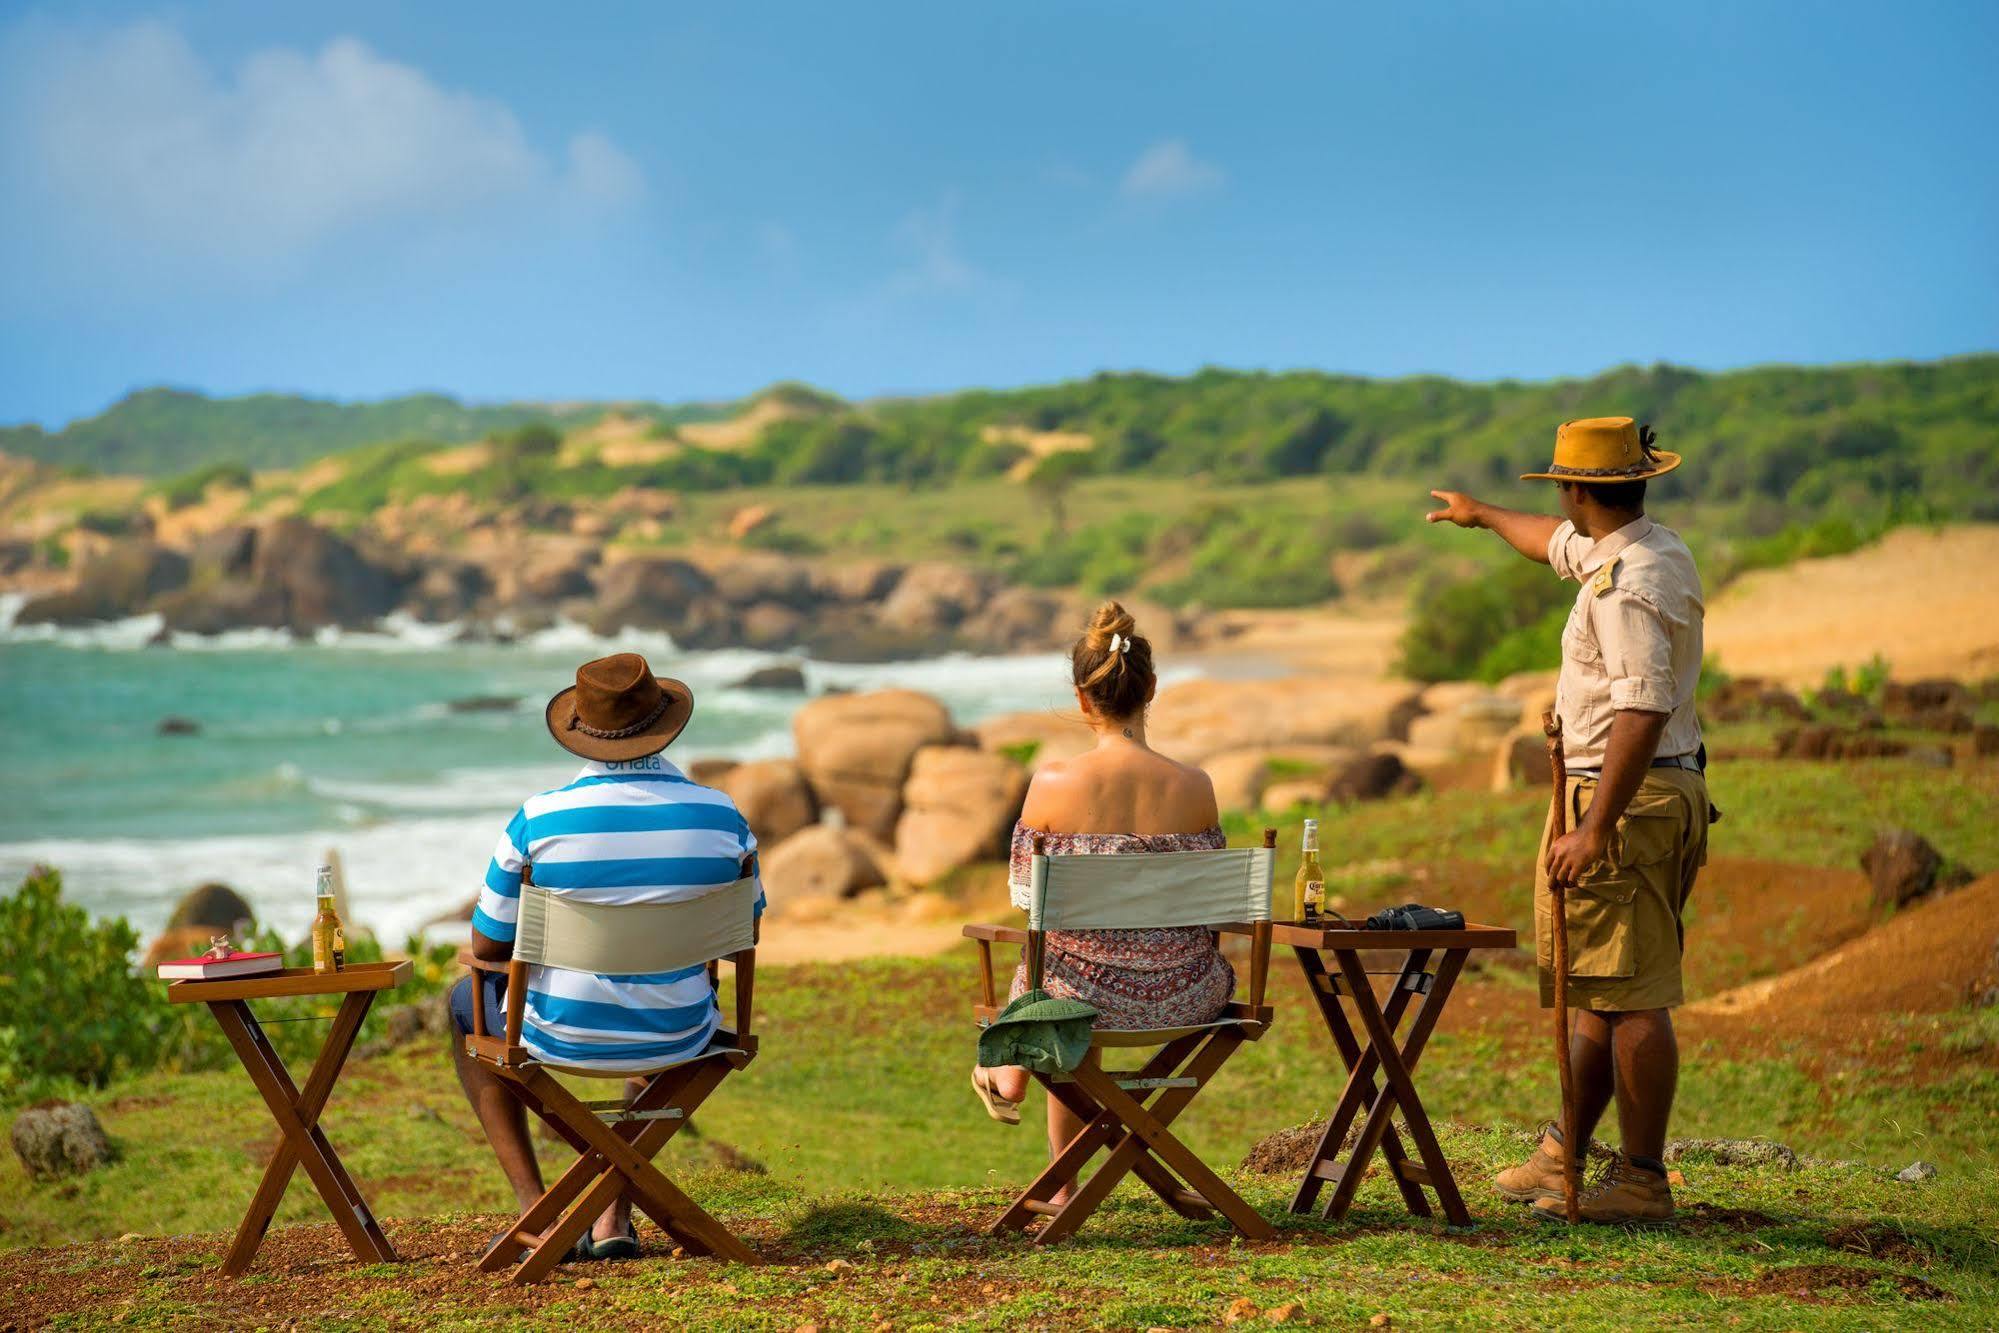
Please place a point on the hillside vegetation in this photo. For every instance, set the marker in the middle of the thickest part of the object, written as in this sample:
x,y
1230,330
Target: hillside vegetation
x,y
162,431
1810,437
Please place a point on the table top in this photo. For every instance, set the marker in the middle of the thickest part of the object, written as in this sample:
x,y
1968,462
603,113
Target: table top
x,y
1336,937
385,975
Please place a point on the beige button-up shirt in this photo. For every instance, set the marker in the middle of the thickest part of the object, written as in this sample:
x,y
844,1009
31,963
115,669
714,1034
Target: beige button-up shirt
x,y
1633,641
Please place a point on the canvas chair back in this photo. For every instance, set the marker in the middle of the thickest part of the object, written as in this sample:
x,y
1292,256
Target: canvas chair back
x,y
1150,890
622,938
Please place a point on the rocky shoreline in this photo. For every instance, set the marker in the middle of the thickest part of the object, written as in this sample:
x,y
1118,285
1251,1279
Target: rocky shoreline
x,y
290,573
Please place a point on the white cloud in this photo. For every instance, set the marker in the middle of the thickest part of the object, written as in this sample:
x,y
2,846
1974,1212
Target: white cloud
x,y
1169,169
127,136
928,239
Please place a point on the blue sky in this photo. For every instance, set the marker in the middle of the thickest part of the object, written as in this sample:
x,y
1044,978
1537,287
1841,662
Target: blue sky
x,y
683,201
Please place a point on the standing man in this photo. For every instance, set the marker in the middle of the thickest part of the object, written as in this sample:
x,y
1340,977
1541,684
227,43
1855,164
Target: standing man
x,y
1637,802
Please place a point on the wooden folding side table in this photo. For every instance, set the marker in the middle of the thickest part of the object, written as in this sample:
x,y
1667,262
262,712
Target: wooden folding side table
x,y
1348,979
297,1112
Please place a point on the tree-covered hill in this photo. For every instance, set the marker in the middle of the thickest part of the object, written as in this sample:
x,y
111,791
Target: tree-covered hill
x,y
1813,439
162,431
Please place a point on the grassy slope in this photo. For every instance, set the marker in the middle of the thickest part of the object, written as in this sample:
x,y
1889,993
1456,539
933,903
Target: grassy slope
x,y
860,1114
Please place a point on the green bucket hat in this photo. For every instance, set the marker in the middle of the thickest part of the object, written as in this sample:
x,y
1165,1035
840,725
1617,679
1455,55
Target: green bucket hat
x,y
1038,1031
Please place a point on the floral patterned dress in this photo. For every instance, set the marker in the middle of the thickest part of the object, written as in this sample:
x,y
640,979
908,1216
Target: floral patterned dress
x,y
1157,978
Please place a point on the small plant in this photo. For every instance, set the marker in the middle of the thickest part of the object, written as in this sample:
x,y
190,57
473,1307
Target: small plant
x,y
75,1012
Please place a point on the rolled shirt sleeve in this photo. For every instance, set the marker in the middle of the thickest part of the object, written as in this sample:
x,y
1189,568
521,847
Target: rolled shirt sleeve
x,y
1567,549
500,897
1637,652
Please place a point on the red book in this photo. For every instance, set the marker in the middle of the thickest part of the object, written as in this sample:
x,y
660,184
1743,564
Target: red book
x,y
207,967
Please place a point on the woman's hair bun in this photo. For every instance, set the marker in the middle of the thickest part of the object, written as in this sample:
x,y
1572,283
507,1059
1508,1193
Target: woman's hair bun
x,y
1112,664
1111,619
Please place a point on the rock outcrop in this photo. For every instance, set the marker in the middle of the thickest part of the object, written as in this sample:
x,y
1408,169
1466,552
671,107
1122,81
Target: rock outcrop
x,y
60,1139
856,749
773,796
118,581
823,861
959,806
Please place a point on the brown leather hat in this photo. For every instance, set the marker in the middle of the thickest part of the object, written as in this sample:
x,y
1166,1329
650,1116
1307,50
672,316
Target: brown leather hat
x,y
619,710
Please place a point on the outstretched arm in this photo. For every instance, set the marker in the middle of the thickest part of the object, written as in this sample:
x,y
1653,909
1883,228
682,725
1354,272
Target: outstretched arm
x,y
1526,533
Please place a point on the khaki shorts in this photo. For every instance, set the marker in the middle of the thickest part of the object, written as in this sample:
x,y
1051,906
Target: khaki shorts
x,y
1625,928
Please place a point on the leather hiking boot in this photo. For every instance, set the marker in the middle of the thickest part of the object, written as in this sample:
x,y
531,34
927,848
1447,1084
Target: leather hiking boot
x,y
1625,1193
1539,1177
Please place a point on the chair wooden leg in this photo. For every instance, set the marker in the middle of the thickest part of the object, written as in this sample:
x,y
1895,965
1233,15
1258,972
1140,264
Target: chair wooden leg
x,y
644,1179
1131,1144
1098,1129
592,1176
1149,1169
1146,1130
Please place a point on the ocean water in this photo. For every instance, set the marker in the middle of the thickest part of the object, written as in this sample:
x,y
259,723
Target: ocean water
x,y
346,742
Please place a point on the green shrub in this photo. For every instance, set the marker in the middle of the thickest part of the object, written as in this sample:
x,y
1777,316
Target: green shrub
x,y
1535,647
75,1013
1454,625
190,487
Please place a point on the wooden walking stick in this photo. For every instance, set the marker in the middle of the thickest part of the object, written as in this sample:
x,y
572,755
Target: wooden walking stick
x,y
1558,892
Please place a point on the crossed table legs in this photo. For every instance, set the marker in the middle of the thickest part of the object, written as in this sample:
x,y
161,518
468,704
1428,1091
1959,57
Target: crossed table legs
x,y
1396,1065
304,1142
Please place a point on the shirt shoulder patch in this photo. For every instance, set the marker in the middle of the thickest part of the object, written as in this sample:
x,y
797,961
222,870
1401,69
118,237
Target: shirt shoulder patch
x,y
1606,578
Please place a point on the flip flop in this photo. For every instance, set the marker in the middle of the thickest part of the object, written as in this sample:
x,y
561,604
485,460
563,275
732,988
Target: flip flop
x,y
616,1247
998,1107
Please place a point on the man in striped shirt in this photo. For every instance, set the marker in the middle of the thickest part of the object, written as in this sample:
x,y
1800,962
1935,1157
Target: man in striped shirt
x,y
630,828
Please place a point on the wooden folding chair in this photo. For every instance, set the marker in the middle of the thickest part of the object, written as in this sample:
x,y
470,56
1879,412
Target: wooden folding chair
x,y
616,1140
1127,1113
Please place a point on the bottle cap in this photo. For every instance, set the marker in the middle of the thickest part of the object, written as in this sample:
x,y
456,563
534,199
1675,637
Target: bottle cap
x,y
325,880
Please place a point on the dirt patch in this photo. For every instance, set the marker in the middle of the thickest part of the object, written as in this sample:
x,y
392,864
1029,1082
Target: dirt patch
x,y
1922,961
1825,1284
1878,1242
1710,1217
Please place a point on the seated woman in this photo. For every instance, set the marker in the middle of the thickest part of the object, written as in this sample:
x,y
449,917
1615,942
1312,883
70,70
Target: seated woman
x,y
1120,797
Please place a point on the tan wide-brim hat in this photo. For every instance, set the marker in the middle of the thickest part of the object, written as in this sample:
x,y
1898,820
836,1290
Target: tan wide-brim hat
x,y
1606,449
619,710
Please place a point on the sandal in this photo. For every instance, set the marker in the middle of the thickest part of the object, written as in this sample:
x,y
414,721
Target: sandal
x,y
998,1107
577,1252
625,1246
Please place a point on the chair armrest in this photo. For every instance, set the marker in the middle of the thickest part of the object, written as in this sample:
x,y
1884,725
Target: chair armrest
x,y
482,964
997,934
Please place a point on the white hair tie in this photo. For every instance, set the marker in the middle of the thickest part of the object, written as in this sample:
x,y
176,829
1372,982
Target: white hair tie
x,y
1119,643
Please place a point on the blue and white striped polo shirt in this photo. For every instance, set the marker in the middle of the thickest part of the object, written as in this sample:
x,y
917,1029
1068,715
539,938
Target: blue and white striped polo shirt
x,y
633,832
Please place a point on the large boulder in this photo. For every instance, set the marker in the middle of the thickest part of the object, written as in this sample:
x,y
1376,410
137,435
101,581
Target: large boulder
x,y
773,796
856,749
650,592
213,905
293,574
823,861
1522,761
855,581
1902,866
324,578
1032,739
770,626
1200,718
785,677
934,598
1904,700
750,577
60,1139
958,807
1241,776
1466,720
1372,777
447,590
1016,620
113,582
